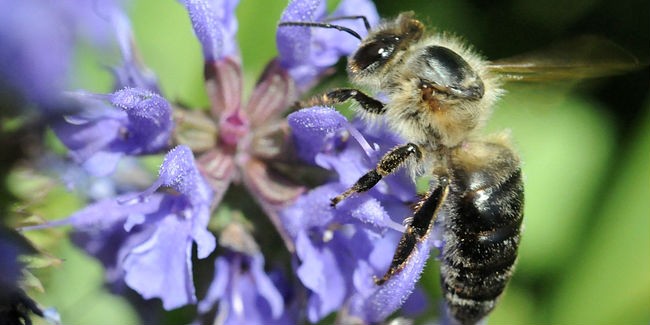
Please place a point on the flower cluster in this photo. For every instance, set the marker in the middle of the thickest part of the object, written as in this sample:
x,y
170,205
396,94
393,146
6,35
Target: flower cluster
x,y
146,238
342,250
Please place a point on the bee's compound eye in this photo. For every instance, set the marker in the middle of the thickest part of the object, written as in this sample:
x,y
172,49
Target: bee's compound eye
x,y
375,52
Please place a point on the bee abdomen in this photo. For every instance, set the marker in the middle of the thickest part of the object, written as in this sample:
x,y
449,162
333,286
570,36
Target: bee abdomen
x,y
482,232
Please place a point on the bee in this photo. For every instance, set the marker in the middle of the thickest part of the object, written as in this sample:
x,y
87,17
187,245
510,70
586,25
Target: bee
x,y
439,93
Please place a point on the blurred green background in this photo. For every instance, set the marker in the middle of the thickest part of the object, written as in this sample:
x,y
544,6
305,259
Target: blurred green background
x,y
585,254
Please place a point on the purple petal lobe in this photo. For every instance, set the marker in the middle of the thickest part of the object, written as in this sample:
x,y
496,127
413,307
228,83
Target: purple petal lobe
x,y
312,128
244,292
166,248
179,171
265,286
150,121
308,53
132,72
347,45
215,26
391,295
294,42
138,122
319,273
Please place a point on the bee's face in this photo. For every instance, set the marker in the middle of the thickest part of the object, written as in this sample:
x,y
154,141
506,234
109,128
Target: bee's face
x,y
382,46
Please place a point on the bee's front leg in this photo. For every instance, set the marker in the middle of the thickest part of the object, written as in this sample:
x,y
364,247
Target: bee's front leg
x,y
388,164
341,95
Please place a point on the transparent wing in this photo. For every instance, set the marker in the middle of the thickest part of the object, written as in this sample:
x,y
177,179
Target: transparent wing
x,y
584,57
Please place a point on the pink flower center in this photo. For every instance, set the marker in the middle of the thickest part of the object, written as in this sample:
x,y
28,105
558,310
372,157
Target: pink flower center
x,y
232,128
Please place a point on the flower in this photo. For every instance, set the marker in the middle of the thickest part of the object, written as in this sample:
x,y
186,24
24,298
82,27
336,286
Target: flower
x,y
308,53
130,121
146,238
37,42
341,249
242,289
250,138
132,73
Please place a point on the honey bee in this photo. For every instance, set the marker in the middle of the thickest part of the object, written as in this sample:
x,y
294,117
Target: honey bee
x,y
439,93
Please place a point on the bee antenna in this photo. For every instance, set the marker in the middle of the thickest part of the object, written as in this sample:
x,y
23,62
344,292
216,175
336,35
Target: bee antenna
x,y
365,20
321,25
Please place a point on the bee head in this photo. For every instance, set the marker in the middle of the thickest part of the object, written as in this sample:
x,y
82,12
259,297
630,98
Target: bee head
x,y
379,48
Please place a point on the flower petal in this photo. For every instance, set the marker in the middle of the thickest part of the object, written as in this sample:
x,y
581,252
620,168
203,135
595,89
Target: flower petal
x,y
215,26
243,291
179,171
294,43
158,263
391,295
366,8
319,273
132,72
312,128
265,287
150,119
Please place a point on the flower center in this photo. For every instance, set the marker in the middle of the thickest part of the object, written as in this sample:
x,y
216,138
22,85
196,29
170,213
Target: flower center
x,y
232,128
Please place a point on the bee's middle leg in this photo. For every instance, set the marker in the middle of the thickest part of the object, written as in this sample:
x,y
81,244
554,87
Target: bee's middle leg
x,y
388,164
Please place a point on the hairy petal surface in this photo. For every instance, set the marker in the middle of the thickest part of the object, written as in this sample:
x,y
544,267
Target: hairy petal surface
x,y
341,249
215,26
244,292
146,238
136,122
307,53
132,72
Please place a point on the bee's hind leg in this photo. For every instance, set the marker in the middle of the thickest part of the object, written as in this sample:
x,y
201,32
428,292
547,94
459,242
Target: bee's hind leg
x,y
418,229
388,164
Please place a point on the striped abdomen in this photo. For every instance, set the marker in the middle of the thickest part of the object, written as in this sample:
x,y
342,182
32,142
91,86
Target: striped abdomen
x,y
484,210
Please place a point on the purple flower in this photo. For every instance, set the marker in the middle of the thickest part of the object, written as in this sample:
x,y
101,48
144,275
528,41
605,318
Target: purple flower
x,y
215,26
236,141
244,292
146,238
130,121
37,40
132,73
307,53
341,249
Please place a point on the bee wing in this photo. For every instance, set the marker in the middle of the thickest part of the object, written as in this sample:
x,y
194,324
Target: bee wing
x,y
584,57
